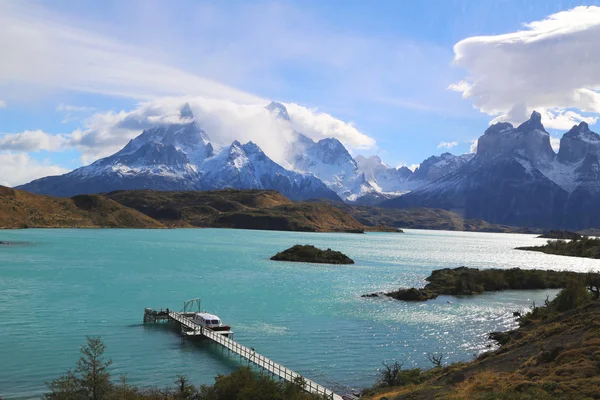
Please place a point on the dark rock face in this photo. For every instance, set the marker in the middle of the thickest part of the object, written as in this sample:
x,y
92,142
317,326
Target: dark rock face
x,y
436,167
578,143
516,179
506,193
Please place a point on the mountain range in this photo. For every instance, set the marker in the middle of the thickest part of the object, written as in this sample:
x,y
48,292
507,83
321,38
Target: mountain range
x,y
515,178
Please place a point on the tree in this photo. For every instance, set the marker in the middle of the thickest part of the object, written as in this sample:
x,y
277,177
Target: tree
x,y
67,387
389,375
89,381
435,359
93,370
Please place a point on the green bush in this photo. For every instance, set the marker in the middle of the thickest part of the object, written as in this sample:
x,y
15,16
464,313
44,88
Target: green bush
x,y
571,297
91,381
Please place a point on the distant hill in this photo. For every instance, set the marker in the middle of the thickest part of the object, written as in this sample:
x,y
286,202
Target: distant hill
x,y
20,209
425,218
242,209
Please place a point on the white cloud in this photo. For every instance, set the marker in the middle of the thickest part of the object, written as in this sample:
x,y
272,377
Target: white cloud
x,y
555,143
2,104
39,50
318,125
551,66
31,141
73,113
20,168
447,145
71,109
224,121
412,167
473,147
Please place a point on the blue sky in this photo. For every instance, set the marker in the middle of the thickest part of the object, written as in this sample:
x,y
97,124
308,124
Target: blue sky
x,y
383,69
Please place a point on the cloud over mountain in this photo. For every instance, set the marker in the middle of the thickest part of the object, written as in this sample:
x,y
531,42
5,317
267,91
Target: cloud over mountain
x,y
551,66
225,121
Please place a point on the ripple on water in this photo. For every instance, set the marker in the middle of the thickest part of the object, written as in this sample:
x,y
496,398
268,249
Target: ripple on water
x,y
71,283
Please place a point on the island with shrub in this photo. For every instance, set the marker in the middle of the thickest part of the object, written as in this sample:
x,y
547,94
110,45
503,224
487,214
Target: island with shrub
x,y
312,254
468,281
584,247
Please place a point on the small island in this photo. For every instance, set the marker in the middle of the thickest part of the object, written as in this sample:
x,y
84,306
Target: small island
x,y
469,281
312,254
565,235
584,247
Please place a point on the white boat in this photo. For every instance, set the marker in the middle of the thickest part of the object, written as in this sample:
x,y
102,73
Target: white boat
x,y
213,323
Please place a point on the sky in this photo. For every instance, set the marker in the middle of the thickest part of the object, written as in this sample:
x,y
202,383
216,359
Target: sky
x,y
400,79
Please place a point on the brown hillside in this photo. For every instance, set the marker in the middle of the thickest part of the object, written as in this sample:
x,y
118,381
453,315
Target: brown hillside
x,y
242,209
20,209
552,356
424,218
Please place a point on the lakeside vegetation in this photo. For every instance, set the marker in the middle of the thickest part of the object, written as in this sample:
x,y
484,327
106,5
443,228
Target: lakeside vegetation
x,y
312,254
554,354
469,281
584,247
91,380
566,235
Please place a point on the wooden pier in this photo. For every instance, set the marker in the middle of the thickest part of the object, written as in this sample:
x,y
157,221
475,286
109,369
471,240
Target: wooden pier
x,y
191,328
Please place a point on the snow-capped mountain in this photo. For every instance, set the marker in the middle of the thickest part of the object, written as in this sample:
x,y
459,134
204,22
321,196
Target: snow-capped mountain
x,y
181,157
384,178
516,178
326,159
435,167
394,182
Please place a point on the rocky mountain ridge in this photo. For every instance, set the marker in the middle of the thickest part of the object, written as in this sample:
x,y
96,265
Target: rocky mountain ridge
x,y
516,179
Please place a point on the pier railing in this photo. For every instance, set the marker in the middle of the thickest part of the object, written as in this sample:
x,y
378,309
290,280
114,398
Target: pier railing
x,y
256,358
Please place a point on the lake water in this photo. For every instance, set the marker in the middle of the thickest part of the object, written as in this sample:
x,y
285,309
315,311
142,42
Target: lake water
x,y
66,284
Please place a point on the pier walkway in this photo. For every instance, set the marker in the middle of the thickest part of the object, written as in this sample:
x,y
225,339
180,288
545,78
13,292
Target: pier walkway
x,y
191,328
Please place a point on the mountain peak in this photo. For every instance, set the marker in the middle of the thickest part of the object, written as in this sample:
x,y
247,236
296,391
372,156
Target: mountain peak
x,y
533,123
186,112
279,110
583,126
499,127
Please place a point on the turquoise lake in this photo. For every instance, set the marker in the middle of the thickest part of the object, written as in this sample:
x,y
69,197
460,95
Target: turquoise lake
x,y
64,284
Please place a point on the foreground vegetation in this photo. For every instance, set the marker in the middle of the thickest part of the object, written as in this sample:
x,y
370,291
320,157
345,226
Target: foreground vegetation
x,y
468,281
583,247
91,380
553,355
311,254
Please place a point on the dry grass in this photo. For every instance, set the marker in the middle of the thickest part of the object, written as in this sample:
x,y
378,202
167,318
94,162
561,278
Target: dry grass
x,y
556,357
20,209
243,209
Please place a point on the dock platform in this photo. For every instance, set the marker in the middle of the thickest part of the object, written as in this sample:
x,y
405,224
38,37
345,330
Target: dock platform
x,y
191,328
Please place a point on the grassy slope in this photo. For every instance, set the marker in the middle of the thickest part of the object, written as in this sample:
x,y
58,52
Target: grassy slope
x,y
423,218
554,356
20,209
244,209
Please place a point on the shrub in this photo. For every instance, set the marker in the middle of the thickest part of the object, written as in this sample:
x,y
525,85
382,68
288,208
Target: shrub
x,y
571,297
